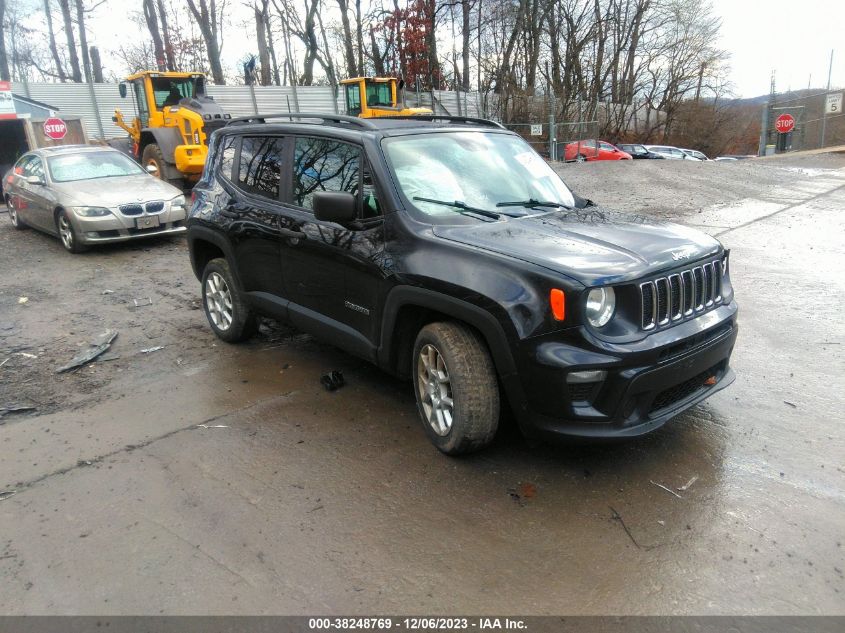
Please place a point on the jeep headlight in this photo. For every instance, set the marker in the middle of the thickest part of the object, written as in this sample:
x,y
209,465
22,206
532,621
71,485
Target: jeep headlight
x,y
601,302
91,212
178,203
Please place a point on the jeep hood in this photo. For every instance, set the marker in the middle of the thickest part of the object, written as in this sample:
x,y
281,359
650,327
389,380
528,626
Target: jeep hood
x,y
593,246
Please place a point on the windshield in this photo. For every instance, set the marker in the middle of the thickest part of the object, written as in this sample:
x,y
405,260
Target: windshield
x,y
477,169
90,165
169,91
379,94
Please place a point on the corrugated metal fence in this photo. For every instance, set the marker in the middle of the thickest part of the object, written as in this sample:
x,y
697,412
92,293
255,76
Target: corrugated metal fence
x,y
96,103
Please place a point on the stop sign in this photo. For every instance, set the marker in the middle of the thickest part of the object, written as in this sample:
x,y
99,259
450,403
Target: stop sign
x,y
785,123
55,128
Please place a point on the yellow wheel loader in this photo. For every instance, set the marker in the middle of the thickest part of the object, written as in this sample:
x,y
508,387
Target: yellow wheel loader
x,y
175,117
371,97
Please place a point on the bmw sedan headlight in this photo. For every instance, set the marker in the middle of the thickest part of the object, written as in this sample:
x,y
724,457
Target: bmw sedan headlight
x,y
91,212
178,203
601,302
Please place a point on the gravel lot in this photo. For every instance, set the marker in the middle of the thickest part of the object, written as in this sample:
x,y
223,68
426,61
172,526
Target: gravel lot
x,y
208,478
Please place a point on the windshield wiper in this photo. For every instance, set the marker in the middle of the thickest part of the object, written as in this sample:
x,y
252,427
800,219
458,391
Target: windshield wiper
x,y
531,203
457,204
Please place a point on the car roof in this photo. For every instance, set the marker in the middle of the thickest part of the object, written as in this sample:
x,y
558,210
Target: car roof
x,y
347,127
55,150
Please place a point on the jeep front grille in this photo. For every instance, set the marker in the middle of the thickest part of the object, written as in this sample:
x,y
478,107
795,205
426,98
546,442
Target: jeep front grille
x,y
681,294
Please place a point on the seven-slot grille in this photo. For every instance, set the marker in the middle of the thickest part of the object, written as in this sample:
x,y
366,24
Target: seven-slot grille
x,y
156,206
681,294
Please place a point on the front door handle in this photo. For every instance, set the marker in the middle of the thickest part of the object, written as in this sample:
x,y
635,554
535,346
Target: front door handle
x,y
296,235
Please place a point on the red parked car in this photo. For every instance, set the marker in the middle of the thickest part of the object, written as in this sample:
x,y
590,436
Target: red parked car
x,y
591,149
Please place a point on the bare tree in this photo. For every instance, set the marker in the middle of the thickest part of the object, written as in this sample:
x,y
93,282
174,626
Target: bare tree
x,y
152,25
5,75
76,72
51,36
209,16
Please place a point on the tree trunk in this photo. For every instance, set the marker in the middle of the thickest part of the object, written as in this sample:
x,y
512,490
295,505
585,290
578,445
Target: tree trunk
x,y
76,72
152,25
431,44
360,37
206,18
96,65
54,50
263,50
83,40
4,60
165,34
465,14
347,39
378,60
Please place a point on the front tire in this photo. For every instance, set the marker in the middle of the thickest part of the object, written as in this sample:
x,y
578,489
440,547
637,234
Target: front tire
x,y
68,234
456,388
13,215
152,156
228,314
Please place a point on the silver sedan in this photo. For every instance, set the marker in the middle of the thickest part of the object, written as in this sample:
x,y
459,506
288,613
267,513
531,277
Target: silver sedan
x,y
88,195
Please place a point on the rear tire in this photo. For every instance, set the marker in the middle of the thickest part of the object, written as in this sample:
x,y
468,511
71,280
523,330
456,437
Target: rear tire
x,y
228,314
456,388
13,216
153,156
580,158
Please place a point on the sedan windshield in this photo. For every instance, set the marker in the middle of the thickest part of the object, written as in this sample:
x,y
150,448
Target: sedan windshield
x,y
472,170
90,165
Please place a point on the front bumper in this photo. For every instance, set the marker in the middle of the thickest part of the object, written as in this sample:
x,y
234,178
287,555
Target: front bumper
x,y
118,227
644,388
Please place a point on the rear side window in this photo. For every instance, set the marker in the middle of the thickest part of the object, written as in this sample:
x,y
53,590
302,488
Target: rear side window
x,y
260,166
227,156
324,165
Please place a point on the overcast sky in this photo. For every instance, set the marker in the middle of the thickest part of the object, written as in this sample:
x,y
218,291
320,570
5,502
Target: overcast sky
x,y
794,38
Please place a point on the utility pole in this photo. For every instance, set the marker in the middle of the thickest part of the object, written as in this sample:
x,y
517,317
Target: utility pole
x,y
764,123
824,105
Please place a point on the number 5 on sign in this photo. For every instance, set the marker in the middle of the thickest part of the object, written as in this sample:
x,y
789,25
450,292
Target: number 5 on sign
x,y
833,104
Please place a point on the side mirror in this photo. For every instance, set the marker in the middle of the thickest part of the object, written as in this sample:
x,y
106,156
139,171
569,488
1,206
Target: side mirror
x,y
335,206
121,88
35,180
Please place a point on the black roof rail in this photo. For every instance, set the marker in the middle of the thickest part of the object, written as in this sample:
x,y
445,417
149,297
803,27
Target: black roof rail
x,y
447,117
326,118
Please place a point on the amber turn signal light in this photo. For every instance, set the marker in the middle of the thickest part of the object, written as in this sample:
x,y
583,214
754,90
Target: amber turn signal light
x,y
558,302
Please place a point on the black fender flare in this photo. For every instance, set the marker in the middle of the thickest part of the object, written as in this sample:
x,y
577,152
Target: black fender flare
x,y
167,138
492,331
205,234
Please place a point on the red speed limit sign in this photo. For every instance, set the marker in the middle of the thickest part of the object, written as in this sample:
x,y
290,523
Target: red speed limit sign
x,y
785,123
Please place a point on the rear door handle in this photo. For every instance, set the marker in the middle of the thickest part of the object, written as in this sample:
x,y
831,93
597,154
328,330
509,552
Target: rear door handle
x,y
297,235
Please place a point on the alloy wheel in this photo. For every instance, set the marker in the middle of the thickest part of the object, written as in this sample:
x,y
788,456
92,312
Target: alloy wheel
x,y
218,301
66,232
435,389
13,213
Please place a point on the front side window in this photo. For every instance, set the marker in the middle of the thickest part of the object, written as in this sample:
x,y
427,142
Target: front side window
x,y
321,164
353,99
91,165
260,166
475,168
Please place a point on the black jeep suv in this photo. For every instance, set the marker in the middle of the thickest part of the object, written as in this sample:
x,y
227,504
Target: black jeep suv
x,y
445,250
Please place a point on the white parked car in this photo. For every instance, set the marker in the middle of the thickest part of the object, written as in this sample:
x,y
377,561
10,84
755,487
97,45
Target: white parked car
x,y
670,152
695,154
